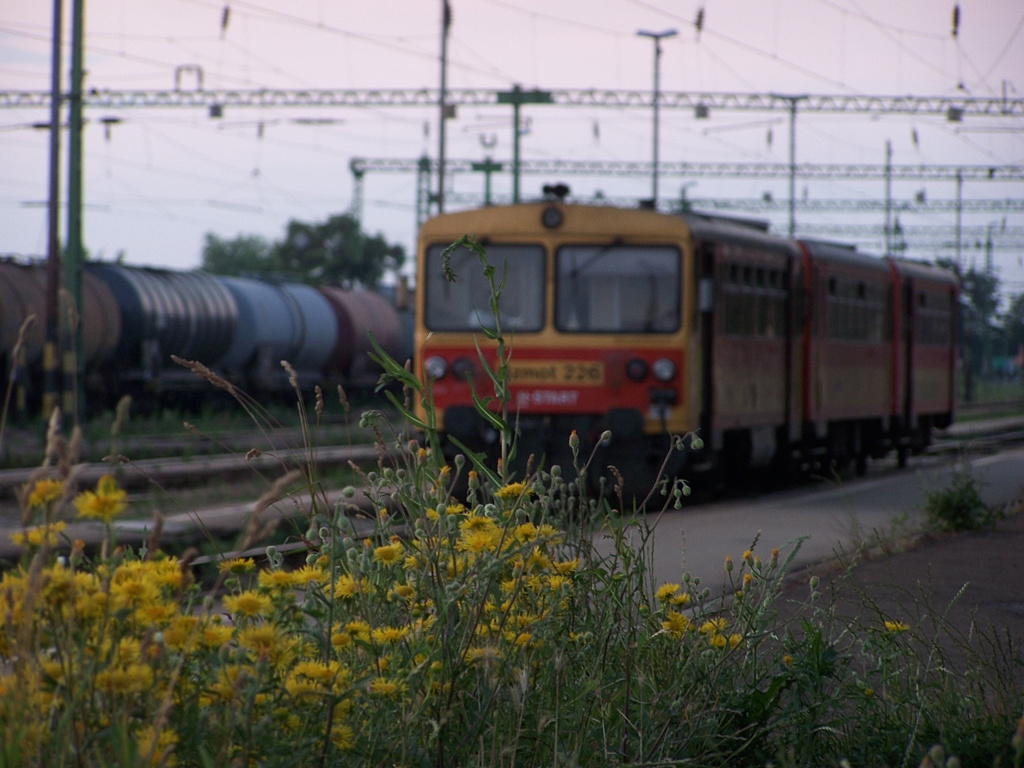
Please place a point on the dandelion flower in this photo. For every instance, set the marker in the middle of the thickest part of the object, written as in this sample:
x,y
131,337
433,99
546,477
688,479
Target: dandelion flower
x,y
43,492
713,626
309,574
105,503
276,579
675,624
511,491
381,686
666,591
403,591
343,737
248,604
389,635
132,678
216,635
358,630
236,565
389,554
347,586
567,566
36,536
478,541
895,626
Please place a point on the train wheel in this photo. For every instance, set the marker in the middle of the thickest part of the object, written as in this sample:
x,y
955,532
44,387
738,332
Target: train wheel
x,y
902,452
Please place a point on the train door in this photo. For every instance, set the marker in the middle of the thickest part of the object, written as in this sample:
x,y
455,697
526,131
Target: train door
x,y
705,262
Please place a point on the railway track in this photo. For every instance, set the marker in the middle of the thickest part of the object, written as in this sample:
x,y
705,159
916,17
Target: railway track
x,y
221,521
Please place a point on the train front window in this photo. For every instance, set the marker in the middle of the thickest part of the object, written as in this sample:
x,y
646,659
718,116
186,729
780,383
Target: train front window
x,y
464,305
617,289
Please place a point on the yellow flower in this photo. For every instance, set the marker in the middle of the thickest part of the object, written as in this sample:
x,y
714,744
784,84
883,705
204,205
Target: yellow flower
x,y
216,635
404,591
389,635
343,737
132,678
276,580
713,626
236,565
180,633
309,574
157,747
389,554
512,491
358,630
247,604
567,566
35,537
478,541
666,591
675,624
106,503
43,492
348,586
381,686
895,626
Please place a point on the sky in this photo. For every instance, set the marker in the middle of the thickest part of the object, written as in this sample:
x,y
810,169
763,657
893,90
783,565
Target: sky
x,y
159,180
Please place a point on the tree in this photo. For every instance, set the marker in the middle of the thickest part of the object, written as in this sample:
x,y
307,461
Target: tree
x,y
335,251
244,255
981,289
332,252
1013,324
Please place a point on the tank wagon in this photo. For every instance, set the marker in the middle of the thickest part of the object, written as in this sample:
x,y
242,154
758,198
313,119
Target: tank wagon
x,y
136,318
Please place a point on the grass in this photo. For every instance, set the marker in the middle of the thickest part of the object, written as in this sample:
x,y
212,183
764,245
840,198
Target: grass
x,y
483,630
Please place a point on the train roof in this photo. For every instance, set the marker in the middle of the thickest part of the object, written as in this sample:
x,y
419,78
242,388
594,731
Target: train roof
x,y
843,253
744,231
925,271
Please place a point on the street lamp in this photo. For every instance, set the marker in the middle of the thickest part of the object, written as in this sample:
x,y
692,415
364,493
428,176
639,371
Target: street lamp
x,y
657,37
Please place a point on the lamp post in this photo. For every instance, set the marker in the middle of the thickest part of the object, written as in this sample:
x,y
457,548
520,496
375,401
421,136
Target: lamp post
x,y
657,37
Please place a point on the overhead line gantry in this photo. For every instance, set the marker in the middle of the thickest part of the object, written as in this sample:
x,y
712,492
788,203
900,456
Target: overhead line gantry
x,y
951,107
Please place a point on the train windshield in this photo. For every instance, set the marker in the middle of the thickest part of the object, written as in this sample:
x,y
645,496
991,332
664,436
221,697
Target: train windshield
x,y
617,289
464,305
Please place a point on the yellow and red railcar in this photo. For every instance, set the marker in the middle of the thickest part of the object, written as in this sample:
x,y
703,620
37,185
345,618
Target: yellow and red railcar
x,y
650,325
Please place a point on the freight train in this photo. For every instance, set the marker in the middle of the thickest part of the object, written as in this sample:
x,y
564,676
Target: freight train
x,y
135,318
776,353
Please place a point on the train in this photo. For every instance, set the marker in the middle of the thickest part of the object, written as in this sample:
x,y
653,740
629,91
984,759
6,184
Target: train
x,y
779,355
134,319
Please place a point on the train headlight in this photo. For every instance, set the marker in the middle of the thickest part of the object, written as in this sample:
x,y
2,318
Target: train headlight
x,y
462,368
664,369
636,369
435,367
551,217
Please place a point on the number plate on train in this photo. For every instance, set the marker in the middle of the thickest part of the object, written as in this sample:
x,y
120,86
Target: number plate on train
x,y
584,373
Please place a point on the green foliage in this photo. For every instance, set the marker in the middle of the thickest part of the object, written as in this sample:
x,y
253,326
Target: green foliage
x,y
244,255
958,506
331,252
